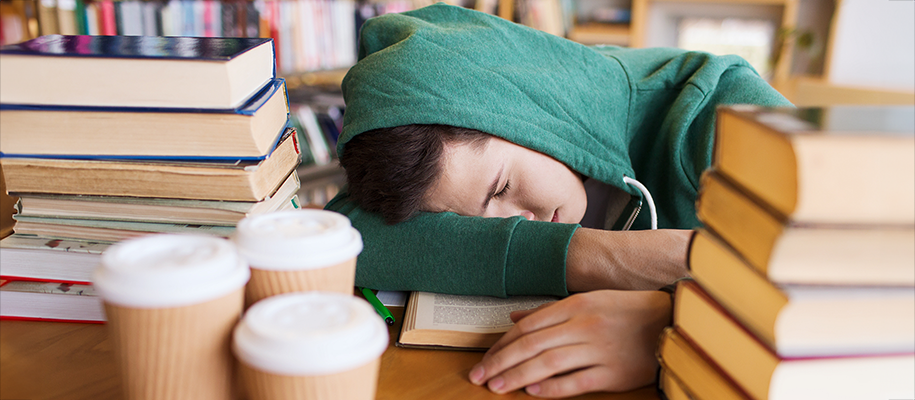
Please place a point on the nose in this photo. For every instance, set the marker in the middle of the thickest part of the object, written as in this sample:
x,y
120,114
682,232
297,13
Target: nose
x,y
506,210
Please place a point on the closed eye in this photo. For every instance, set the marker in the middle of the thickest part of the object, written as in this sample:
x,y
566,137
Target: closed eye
x,y
503,191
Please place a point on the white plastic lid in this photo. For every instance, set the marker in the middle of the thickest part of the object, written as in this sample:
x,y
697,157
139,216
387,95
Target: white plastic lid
x,y
309,333
169,270
297,239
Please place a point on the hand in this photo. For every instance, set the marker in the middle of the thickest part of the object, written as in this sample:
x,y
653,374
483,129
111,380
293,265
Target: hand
x,y
596,341
626,260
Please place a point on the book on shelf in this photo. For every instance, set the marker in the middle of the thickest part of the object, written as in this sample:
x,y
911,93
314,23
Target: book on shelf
x,y
154,209
692,369
47,17
65,131
231,181
68,22
445,321
789,251
135,71
806,320
315,140
839,164
543,15
763,374
18,20
29,257
50,301
596,33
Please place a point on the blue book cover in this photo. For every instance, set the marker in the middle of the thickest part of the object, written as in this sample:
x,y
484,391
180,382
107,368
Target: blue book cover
x,y
155,47
250,108
136,71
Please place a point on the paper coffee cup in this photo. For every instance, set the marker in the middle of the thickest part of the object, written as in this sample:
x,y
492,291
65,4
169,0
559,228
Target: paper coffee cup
x,y
171,303
312,345
297,251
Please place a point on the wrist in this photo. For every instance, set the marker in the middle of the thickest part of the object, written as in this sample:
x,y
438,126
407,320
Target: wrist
x,y
625,260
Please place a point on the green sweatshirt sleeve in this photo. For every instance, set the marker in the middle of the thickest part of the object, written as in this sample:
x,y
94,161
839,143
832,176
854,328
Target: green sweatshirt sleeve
x,y
448,253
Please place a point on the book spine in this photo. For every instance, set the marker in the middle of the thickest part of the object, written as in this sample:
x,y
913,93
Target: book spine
x,y
47,17
66,17
118,17
254,21
107,24
227,17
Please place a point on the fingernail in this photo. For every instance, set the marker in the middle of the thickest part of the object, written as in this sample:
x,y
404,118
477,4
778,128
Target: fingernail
x,y
533,390
476,374
496,384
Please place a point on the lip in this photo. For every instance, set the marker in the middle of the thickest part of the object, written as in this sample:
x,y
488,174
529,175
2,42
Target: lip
x,y
555,216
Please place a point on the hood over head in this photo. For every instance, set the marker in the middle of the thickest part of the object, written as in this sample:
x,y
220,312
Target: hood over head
x,y
449,65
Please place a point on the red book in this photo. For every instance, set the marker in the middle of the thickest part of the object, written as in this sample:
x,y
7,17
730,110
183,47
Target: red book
x,y
50,301
107,22
273,20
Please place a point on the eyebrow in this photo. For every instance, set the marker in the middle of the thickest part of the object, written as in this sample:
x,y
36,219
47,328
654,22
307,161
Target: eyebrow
x,y
493,188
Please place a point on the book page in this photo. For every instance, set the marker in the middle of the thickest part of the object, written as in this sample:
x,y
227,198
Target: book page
x,y
483,314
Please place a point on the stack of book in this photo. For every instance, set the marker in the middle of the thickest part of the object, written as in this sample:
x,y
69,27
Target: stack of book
x,y
112,137
804,273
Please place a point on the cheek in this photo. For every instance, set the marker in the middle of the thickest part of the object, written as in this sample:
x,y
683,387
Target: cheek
x,y
576,200
580,200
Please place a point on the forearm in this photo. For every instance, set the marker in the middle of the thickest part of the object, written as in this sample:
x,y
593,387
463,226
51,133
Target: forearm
x,y
447,253
640,260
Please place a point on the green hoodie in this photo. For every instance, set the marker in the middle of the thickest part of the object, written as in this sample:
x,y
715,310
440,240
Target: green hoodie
x,y
606,112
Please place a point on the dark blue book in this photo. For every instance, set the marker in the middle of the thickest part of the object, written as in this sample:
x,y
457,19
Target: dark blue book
x,y
136,71
247,133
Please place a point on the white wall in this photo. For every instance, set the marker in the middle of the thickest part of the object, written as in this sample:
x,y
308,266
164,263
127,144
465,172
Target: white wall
x,y
874,45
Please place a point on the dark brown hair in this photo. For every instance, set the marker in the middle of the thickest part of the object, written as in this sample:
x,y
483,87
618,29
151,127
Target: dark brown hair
x,y
390,170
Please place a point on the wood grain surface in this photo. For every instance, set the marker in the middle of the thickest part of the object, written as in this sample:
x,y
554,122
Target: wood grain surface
x,y
55,360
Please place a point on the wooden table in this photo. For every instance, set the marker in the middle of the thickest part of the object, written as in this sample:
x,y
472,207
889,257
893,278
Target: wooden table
x,y
55,360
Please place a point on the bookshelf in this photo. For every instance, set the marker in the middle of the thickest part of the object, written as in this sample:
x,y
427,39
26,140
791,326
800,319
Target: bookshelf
x,y
310,35
637,23
786,15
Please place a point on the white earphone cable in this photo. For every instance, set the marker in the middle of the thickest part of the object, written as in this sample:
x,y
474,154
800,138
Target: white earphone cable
x,y
653,213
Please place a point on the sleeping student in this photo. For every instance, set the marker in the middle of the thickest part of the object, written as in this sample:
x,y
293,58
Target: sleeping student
x,y
485,157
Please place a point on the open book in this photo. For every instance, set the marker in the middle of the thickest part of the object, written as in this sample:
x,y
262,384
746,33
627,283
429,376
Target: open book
x,y
460,322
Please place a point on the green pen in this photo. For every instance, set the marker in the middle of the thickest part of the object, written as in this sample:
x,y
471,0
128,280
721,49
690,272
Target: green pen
x,y
380,308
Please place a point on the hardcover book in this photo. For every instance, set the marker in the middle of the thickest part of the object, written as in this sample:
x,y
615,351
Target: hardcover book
x,y
806,320
840,164
248,132
154,209
29,257
433,320
50,301
232,181
697,374
672,387
109,231
135,71
763,374
788,251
